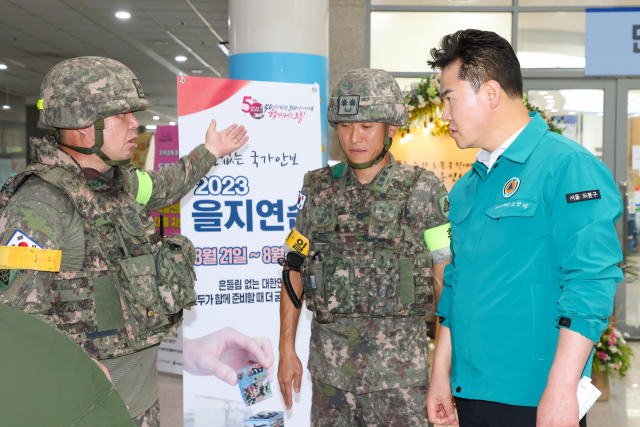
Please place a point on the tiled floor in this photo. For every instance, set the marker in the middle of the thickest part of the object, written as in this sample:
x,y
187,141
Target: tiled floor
x,y
622,409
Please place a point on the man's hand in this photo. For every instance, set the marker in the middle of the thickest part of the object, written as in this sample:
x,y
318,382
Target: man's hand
x,y
558,407
226,141
289,370
440,402
224,352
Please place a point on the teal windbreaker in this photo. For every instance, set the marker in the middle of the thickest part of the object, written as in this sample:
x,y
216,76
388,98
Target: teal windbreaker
x,y
534,248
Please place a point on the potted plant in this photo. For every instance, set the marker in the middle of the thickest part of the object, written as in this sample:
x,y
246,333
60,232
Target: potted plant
x,y
611,354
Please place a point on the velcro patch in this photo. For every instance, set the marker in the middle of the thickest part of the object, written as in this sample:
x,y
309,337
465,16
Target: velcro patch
x,y
138,86
348,105
583,195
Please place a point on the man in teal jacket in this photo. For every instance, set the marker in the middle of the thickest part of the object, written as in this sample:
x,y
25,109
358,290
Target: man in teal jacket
x,y
534,251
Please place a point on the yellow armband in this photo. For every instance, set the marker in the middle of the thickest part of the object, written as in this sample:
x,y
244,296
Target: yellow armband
x,y
438,237
297,242
17,257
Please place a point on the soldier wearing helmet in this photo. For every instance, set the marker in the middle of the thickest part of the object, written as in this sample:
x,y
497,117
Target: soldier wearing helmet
x,y
94,265
367,253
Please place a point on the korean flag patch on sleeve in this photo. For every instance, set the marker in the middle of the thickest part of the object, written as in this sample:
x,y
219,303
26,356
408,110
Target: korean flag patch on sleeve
x,y
21,239
302,198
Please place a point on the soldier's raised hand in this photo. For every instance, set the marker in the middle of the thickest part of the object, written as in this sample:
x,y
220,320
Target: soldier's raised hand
x,y
226,141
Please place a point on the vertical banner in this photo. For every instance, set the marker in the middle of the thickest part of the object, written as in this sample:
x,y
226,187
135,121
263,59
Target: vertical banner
x,y
238,217
165,154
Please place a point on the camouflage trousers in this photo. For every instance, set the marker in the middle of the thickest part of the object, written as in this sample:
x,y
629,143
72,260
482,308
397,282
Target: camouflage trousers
x,y
151,418
398,407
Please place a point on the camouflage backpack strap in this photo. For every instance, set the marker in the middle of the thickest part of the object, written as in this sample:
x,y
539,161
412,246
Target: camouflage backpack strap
x,y
407,235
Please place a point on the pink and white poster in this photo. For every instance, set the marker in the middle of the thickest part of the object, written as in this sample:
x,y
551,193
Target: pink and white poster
x,y
238,217
166,153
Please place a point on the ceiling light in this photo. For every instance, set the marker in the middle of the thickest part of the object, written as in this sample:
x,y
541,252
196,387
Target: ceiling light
x,y
196,71
3,67
554,111
572,112
123,15
548,97
6,107
544,92
161,43
156,117
181,58
224,47
172,123
151,127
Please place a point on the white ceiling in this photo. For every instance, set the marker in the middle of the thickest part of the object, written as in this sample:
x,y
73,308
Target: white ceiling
x,y
35,35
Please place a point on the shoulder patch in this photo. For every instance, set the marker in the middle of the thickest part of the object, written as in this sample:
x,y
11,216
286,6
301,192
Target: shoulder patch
x,y
20,239
6,278
444,204
302,198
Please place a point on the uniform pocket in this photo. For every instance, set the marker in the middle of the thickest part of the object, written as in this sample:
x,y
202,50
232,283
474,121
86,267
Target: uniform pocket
x,y
140,293
313,284
383,222
423,284
323,219
176,278
339,284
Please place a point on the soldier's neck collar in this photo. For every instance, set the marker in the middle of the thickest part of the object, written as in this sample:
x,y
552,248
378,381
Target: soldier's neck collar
x,y
109,182
379,184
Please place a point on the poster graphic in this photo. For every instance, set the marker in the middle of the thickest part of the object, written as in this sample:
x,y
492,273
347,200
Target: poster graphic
x,y
238,217
166,154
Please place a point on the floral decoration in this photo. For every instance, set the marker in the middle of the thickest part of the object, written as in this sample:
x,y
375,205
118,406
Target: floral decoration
x,y
612,351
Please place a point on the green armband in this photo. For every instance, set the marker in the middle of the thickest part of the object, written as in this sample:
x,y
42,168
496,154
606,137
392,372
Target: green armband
x,y
145,187
438,237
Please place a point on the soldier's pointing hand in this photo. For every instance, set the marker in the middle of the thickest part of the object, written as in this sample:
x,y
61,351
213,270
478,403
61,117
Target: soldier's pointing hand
x,y
226,141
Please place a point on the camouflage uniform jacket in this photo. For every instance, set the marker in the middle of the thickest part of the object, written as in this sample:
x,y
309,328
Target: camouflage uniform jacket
x,y
372,275
105,297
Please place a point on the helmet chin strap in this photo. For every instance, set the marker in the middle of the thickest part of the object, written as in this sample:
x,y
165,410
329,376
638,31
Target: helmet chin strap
x,y
385,148
98,127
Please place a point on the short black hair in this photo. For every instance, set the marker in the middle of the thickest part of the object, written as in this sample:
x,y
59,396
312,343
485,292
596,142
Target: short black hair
x,y
483,56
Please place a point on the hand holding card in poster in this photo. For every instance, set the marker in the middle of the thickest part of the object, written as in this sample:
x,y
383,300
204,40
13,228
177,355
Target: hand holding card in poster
x,y
238,218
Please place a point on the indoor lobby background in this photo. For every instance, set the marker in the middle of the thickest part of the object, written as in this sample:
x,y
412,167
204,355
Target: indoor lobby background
x,y
160,39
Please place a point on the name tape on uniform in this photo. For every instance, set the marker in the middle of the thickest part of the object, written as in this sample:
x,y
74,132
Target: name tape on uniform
x,y
583,195
298,242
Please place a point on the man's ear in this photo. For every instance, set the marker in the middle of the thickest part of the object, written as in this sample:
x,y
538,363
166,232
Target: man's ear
x,y
393,129
493,93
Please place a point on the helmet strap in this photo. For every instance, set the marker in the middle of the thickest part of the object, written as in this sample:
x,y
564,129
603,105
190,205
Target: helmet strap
x,y
385,149
98,128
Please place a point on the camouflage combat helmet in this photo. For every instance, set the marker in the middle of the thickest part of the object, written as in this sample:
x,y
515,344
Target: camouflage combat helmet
x,y
368,95
83,91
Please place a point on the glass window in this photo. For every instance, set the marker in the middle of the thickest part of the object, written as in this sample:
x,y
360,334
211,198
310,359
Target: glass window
x,y
551,39
441,3
632,303
578,112
599,3
401,41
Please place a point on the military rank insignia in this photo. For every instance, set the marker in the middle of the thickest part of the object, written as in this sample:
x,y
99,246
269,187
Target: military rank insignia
x,y
138,86
348,105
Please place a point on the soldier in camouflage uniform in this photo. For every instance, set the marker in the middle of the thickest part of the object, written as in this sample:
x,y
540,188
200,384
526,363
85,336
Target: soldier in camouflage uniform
x,y
372,239
119,288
